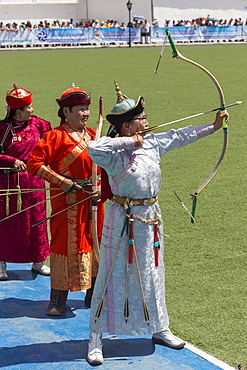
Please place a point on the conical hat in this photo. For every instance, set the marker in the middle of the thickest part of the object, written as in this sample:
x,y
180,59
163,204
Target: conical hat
x,y
125,109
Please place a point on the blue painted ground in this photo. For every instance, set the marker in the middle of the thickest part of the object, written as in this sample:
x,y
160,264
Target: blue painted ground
x,y
32,340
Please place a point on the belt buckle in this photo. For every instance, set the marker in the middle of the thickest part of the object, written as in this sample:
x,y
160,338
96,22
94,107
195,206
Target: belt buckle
x,y
128,203
149,202
135,202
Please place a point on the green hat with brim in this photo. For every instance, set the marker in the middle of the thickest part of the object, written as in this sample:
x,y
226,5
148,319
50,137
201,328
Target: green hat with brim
x,y
124,110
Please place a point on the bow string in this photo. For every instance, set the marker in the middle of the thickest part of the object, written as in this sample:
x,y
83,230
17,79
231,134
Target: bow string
x,y
178,55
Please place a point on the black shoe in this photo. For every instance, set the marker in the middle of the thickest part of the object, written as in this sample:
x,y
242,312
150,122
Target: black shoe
x,y
57,305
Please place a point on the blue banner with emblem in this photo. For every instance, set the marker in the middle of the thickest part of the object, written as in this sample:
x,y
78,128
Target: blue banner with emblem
x,y
92,36
85,35
203,34
109,35
61,36
22,37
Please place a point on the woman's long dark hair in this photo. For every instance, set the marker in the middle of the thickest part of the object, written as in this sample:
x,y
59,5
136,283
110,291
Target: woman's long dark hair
x,y
10,114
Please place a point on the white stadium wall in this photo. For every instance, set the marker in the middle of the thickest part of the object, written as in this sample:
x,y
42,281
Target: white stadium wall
x,y
192,9
36,10
114,9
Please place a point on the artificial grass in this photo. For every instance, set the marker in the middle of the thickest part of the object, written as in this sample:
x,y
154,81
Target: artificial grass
x,y
205,261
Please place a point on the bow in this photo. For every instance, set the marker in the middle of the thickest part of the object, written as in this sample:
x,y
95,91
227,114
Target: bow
x,y
10,169
33,205
94,183
178,55
23,191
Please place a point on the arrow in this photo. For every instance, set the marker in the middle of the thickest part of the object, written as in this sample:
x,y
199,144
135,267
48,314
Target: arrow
x,y
185,118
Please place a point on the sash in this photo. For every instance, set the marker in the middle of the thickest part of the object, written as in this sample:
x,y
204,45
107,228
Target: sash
x,y
75,151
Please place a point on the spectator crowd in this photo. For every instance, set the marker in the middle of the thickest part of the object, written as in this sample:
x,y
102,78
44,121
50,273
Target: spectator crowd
x,y
137,23
208,21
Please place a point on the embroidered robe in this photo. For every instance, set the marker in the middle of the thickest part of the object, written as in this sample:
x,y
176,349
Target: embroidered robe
x,y
62,153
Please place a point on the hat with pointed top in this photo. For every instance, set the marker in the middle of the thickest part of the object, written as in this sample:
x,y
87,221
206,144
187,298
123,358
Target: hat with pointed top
x,y
125,109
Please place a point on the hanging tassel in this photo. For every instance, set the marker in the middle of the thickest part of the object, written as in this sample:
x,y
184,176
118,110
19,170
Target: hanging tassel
x,y
131,251
126,310
131,240
7,199
156,244
7,203
19,200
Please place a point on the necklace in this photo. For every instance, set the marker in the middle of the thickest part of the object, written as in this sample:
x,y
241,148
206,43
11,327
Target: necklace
x,y
18,124
81,135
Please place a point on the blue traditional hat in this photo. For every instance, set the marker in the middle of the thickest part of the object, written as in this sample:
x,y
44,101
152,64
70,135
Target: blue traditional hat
x,y
123,111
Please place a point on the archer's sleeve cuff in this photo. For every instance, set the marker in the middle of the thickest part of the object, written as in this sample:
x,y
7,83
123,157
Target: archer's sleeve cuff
x,y
204,130
49,175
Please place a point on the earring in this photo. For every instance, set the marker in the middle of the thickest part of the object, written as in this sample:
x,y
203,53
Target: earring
x,y
129,133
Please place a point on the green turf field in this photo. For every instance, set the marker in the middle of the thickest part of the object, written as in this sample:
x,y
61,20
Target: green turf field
x,y
205,262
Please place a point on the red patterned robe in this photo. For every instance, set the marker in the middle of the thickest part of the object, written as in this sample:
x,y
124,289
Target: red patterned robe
x,y
19,242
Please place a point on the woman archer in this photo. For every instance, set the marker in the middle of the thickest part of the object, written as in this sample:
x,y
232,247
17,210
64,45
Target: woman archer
x,y
129,294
